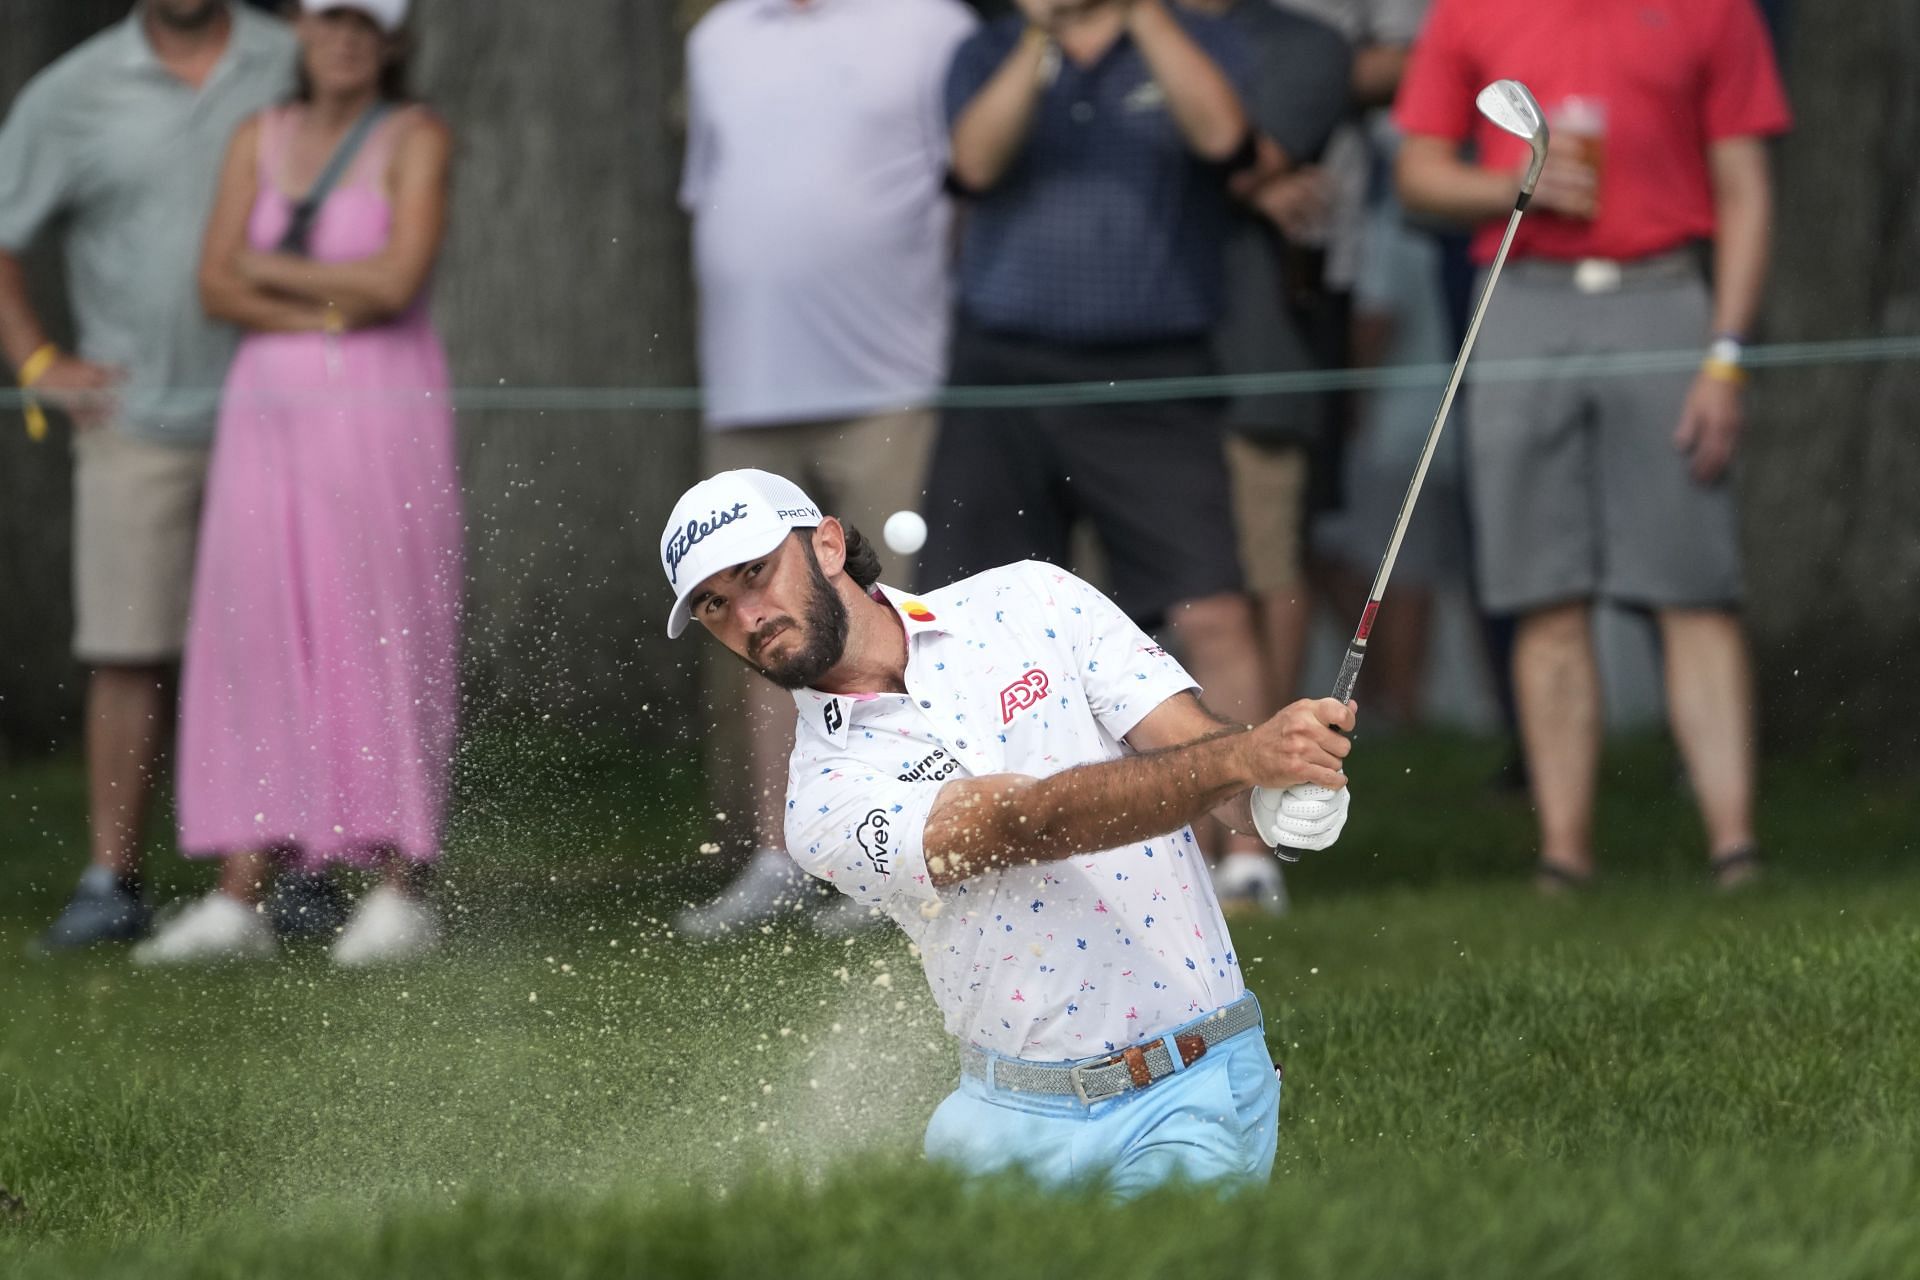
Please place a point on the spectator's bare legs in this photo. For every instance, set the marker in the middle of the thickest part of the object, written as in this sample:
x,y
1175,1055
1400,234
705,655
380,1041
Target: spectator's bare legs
x,y
246,877
1397,647
770,884
1557,684
1283,637
1216,637
1710,705
1403,673
127,723
770,727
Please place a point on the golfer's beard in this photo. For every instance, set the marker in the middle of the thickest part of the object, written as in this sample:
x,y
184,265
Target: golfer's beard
x,y
824,639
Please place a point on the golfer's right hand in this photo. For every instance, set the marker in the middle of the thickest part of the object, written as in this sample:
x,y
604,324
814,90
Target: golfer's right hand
x,y
85,390
1303,743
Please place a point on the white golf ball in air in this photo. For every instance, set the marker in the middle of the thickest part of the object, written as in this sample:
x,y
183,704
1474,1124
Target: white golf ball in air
x,y
905,532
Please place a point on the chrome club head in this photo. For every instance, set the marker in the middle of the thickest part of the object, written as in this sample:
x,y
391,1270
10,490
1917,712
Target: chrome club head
x,y
1511,105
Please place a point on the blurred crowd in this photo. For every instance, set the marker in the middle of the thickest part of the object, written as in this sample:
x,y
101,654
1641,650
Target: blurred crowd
x,y
892,200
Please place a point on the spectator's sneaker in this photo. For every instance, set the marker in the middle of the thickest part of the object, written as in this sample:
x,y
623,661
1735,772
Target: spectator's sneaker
x,y
1735,870
1250,884
307,905
213,930
844,917
387,927
769,886
100,910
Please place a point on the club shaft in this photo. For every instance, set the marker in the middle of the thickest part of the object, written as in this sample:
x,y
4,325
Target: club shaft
x,y
1357,647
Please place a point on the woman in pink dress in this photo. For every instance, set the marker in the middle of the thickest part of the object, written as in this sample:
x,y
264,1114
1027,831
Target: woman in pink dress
x,y
319,691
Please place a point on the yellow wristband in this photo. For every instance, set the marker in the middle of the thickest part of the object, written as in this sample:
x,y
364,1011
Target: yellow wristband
x,y
31,371
36,365
1724,371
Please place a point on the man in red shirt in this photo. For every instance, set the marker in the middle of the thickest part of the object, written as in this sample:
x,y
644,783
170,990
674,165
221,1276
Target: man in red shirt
x,y
1588,486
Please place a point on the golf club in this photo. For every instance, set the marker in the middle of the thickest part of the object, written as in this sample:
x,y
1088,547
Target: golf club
x,y
1511,106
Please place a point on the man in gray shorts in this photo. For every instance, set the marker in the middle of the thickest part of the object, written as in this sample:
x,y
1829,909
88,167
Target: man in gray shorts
x,y
121,140
1586,486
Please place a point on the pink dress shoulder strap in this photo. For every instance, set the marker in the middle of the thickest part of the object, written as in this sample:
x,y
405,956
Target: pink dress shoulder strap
x,y
375,160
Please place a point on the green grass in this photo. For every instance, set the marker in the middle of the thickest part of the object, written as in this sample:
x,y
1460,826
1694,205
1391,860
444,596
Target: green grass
x,y
1649,1081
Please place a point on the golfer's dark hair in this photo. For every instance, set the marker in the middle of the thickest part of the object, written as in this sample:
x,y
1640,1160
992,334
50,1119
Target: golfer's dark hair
x,y
863,562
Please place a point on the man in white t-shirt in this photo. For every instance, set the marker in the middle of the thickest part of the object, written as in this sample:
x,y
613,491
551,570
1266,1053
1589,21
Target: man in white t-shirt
x,y
1007,768
815,177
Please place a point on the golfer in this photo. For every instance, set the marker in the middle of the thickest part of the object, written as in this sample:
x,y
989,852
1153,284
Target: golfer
x,y
1007,768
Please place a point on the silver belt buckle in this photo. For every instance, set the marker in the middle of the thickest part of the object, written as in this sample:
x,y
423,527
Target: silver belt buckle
x,y
1079,1083
1596,275
1077,1079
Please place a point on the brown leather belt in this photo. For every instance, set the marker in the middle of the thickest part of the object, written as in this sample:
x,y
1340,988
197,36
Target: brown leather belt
x,y
1134,1067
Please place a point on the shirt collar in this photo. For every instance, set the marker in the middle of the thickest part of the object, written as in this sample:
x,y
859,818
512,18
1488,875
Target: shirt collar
x,y
915,615
831,714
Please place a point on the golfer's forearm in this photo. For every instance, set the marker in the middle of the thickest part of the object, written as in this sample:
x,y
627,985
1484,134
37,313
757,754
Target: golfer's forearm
x,y
985,824
992,128
1743,215
20,332
1201,98
1236,814
1434,180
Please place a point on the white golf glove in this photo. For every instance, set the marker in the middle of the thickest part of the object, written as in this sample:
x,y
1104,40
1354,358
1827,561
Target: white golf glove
x,y
1301,817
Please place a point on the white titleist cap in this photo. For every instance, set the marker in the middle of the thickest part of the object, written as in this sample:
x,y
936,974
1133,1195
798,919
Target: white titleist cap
x,y
727,520
386,14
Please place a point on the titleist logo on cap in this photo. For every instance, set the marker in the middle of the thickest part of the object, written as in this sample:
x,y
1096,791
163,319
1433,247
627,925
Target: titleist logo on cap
x,y
694,532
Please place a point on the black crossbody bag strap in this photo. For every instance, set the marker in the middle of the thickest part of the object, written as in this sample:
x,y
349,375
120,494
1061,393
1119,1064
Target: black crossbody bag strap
x,y
300,225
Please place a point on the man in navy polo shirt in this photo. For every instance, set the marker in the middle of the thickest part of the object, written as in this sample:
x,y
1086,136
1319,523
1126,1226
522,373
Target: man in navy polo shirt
x,y
1094,141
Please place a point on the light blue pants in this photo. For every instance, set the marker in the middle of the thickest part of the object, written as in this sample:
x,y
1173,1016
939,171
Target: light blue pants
x,y
1216,1121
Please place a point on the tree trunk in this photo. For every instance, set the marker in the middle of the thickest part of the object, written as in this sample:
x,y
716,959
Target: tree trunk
x,y
1833,473
566,266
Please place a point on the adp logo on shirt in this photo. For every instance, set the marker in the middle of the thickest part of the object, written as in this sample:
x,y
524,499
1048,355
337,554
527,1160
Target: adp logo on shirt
x,y
1021,694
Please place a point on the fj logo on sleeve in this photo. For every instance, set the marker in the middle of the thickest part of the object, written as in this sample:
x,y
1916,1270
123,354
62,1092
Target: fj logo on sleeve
x,y
1021,694
875,836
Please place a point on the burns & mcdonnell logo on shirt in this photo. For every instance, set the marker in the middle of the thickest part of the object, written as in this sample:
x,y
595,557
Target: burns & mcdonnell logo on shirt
x,y
934,768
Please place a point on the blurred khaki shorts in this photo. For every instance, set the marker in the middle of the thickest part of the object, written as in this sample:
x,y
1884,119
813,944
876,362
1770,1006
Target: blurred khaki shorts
x,y
1269,510
136,516
859,469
